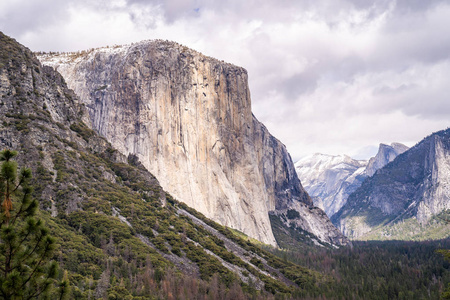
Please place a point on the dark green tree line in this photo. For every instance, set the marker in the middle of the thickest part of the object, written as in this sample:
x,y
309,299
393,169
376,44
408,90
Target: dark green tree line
x,y
446,254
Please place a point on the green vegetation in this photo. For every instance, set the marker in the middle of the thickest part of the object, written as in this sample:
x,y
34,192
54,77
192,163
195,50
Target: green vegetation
x,y
445,218
292,214
369,270
101,253
26,247
82,130
378,270
292,238
446,254
98,248
411,229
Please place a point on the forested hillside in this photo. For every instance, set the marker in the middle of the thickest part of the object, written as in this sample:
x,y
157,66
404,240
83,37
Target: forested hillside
x,y
380,270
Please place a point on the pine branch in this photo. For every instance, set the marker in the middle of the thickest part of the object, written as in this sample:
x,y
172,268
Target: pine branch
x,y
21,242
18,185
21,210
34,249
34,271
36,294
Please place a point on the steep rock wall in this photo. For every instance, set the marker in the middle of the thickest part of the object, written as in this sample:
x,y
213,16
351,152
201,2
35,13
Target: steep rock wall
x,y
386,154
187,117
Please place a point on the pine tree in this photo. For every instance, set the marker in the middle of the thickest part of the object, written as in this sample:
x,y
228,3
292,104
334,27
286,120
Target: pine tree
x,y
26,269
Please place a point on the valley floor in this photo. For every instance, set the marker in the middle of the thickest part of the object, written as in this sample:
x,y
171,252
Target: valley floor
x,y
379,269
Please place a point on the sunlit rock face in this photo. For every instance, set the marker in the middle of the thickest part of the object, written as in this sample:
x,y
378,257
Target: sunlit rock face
x,y
188,119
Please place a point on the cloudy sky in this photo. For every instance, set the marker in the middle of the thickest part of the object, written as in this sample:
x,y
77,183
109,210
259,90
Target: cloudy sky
x,y
335,77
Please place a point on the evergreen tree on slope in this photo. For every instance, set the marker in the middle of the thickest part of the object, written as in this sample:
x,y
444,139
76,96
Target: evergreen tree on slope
x,y
26,269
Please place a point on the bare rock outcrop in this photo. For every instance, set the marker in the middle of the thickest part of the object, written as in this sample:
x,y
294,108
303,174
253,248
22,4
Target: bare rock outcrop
x,y
386,154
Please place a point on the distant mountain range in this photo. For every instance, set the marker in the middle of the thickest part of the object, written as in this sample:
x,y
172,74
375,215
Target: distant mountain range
x,y
406,199
400,193
329,179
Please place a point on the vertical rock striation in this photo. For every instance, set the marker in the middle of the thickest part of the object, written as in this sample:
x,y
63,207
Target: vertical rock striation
x,y
188,119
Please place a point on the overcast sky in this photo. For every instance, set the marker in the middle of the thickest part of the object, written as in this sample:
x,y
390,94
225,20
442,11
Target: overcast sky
x,y
335,77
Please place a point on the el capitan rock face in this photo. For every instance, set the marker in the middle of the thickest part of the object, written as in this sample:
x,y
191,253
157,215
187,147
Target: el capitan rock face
x,y
187,117
86,190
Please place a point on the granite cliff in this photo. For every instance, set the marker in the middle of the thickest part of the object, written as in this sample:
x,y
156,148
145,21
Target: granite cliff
x,y
404,197
386,154
188,119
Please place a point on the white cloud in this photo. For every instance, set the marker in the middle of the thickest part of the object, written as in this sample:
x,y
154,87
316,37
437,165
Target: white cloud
x,y
326,76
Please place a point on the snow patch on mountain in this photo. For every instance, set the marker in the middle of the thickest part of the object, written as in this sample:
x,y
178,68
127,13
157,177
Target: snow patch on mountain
x,y
330,179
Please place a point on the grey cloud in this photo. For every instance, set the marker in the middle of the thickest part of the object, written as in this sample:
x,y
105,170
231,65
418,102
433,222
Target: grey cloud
x,y
173,9
410,35
431,105
412,100
21,17
408,6
346,69
299,84
389,91
330,69
401,6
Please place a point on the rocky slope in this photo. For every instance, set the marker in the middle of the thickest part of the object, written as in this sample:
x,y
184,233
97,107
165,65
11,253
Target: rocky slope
x,y
416,185
187,117
120,234
330,179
